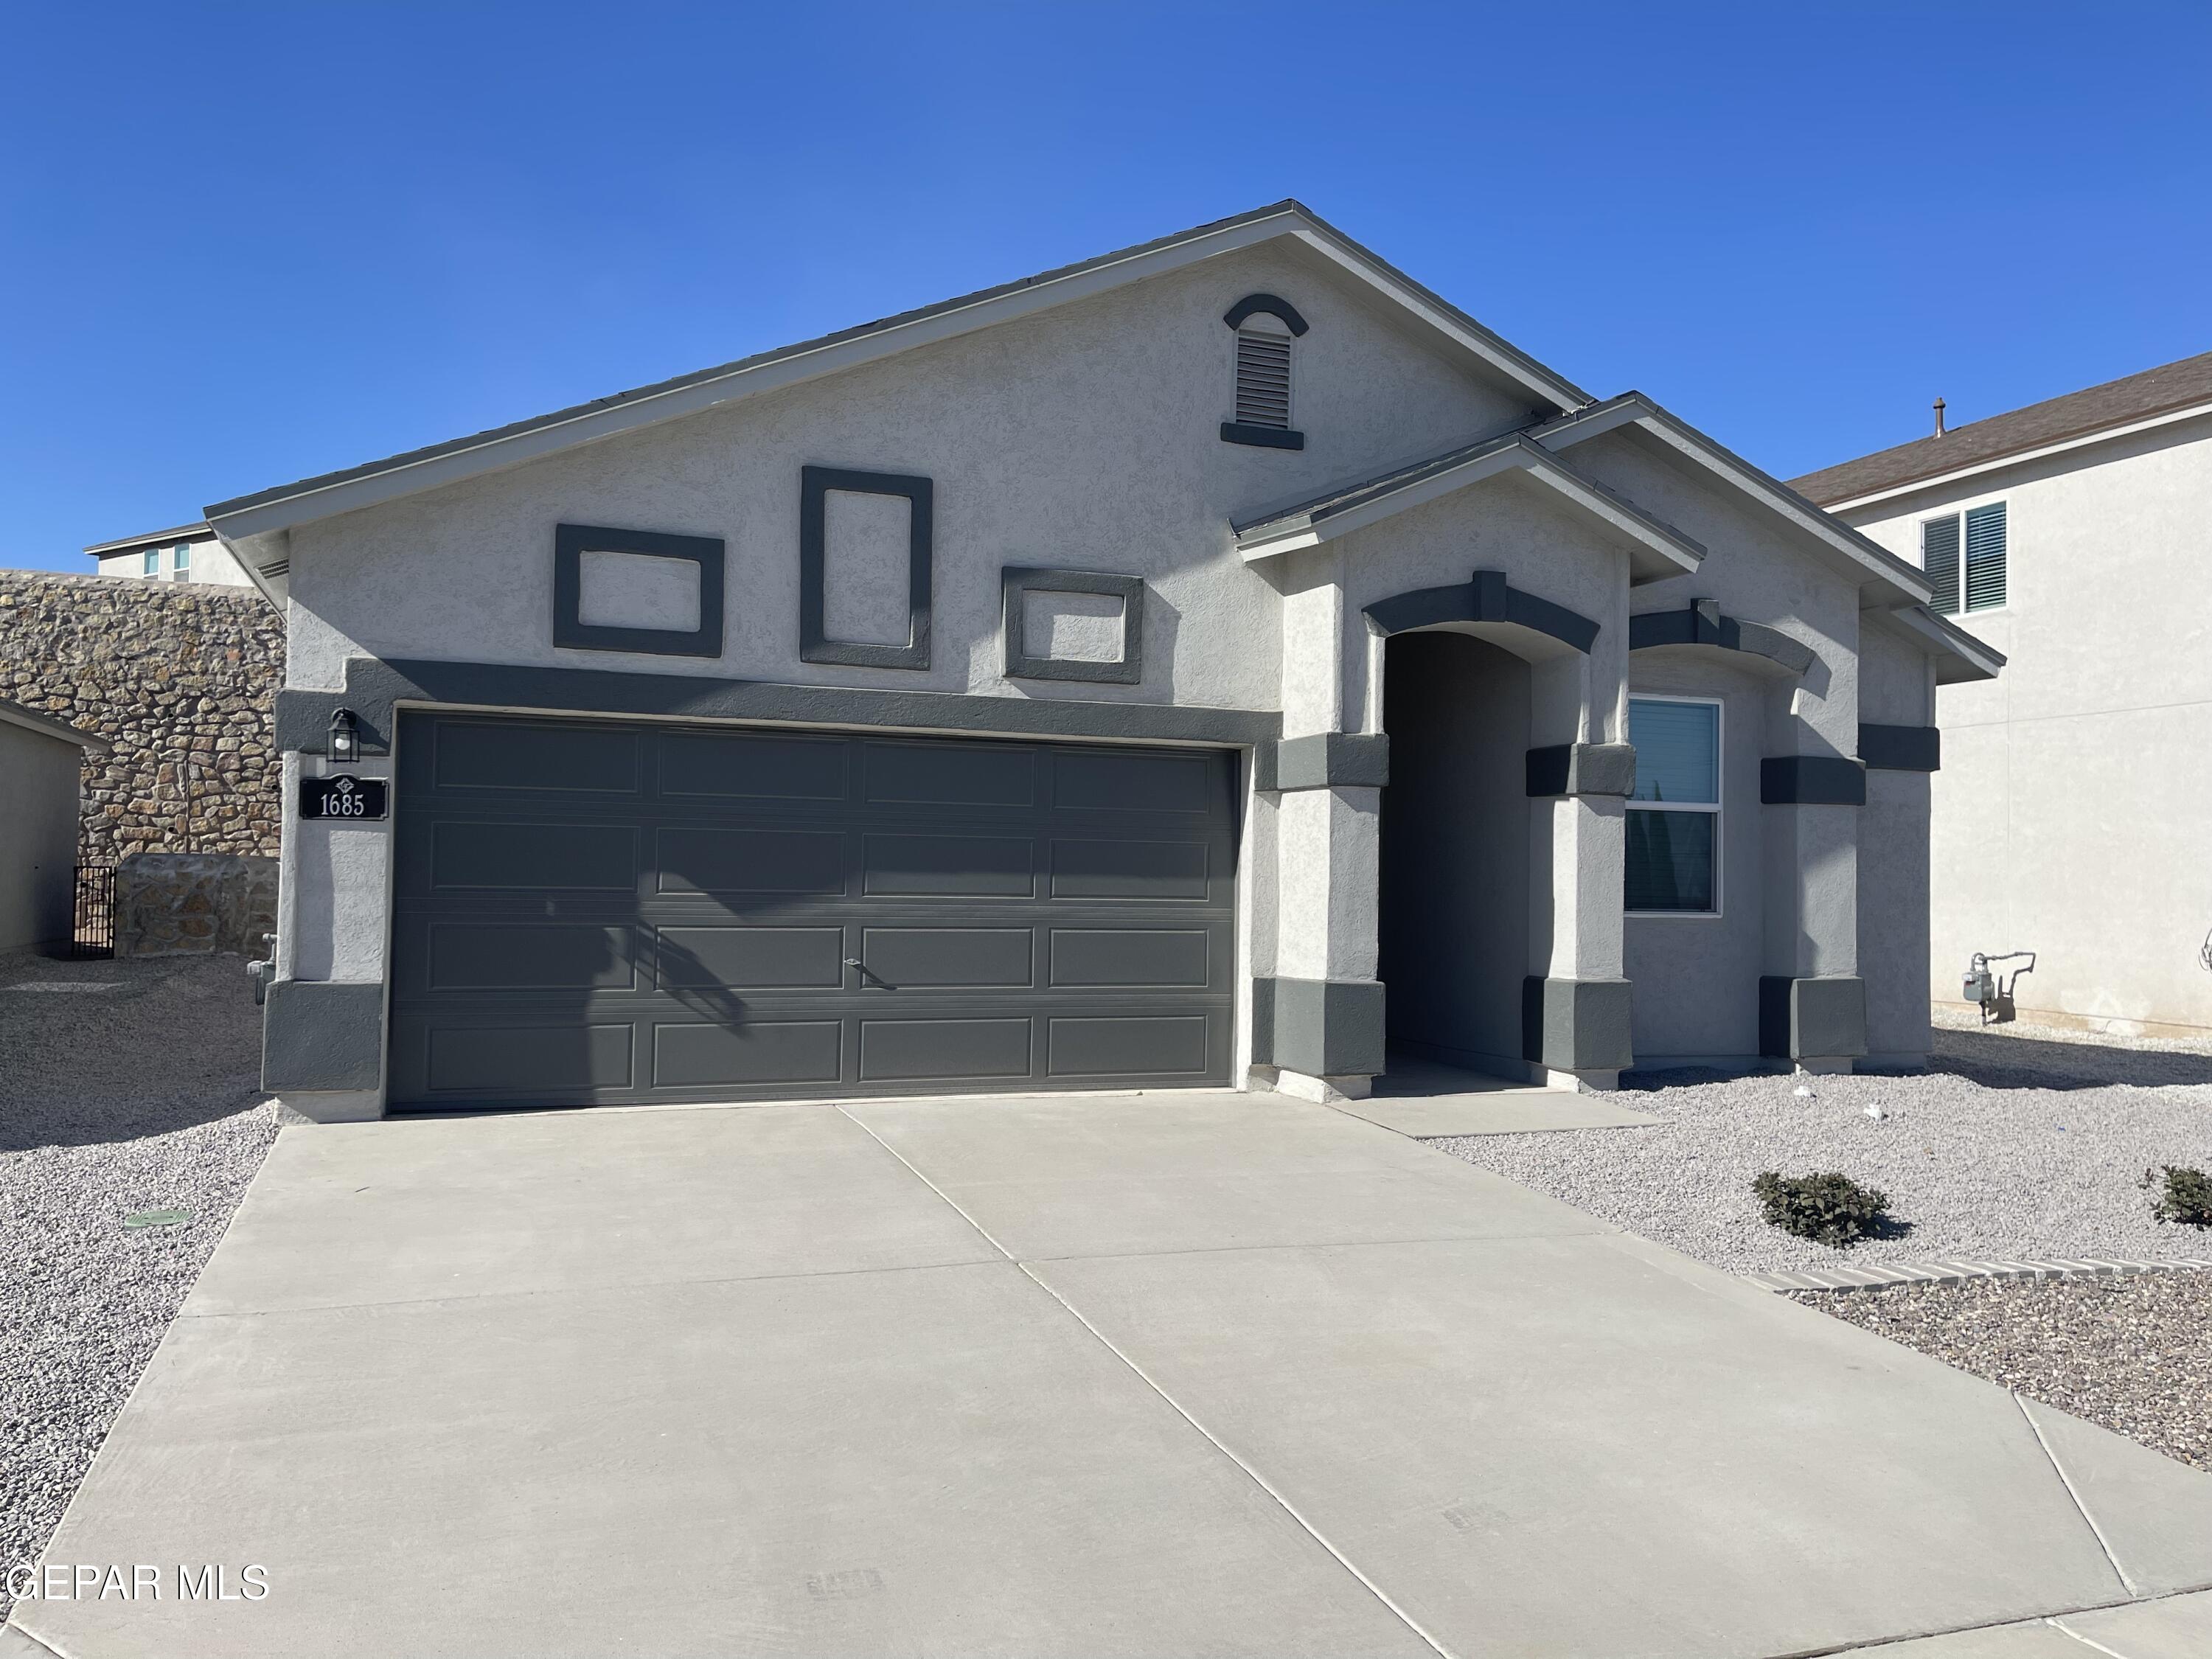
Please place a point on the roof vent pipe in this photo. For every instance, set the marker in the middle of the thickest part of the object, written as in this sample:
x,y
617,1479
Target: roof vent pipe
x,y
1939,418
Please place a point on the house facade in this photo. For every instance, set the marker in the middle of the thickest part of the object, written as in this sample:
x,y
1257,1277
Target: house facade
x,y
2070,534
1222,663
184,553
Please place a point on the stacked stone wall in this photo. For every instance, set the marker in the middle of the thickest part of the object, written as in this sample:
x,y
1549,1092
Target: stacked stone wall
x,y
184,904
181,678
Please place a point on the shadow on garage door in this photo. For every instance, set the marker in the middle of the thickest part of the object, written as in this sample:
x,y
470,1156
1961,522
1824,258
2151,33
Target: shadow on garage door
x,y
595,912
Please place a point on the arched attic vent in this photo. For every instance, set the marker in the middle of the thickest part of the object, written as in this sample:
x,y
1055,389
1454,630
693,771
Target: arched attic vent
x,y
1266,327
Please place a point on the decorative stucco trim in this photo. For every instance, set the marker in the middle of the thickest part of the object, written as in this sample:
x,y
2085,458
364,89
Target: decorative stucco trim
x,y
1323,760
1261,437
1900,748
1577,1024
1581,769
323,1036
1822,1018
815,483
1700,622
374,687
572,541
1811,780
1252,304
1486,598
1322,1028
1015,581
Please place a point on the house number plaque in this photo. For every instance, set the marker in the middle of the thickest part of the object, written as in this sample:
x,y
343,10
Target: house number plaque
x,y
341,797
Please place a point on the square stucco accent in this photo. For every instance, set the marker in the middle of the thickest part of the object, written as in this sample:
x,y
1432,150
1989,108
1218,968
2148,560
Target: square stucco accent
x,y
572,541
1582,768
1324,760
1811,780
1901,747
322,1035
1016,581
1324,1028
1577,1024
1812,1019
815,483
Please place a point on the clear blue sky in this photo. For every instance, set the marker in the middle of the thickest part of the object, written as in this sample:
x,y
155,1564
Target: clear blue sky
x,y
246,243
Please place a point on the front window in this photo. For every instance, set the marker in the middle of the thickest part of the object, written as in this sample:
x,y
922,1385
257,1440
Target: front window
x,y
1675,817
180,564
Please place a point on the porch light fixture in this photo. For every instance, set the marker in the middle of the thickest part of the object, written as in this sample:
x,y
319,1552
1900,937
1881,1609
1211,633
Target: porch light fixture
x,y
346,737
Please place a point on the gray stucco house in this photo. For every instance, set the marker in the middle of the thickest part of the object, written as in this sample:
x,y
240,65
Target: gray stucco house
x,y
1223,662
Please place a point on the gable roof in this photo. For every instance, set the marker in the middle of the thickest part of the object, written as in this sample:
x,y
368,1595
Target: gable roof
x,y
2170,390
1661,550
1870,561
182,532
267,511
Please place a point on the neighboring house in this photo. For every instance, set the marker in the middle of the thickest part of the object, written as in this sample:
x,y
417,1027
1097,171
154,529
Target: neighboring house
x,y
2072,812
188,553
994,698
41,764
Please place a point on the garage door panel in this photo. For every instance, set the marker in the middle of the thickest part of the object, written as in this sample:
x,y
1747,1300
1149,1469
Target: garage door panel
x,y
1032,915
751,958
698,860
511,856
490,956
934,1050
1129,869
752,766
472,757
472,1059
950,774
1136,957
1126,1045
910,958
1095,781
746,1055
949,866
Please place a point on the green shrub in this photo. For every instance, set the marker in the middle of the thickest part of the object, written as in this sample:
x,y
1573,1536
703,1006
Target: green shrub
x,y
2187,1197
1829,1209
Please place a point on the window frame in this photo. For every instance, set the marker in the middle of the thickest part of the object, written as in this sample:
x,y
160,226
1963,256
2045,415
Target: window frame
x,y
1719,705
1957,514
149,564
180,562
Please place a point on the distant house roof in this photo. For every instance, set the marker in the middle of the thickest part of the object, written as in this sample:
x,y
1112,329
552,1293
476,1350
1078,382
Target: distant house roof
x,y
2166,390
14,713
182,532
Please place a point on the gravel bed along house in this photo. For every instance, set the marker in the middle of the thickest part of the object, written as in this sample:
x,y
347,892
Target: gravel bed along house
x,y
2021,1146
143,1094
2134,1355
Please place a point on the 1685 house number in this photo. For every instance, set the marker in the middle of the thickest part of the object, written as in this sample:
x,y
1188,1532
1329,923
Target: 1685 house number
x,y
58,1581
341,797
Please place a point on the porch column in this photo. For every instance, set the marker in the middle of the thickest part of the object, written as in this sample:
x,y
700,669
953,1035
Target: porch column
x,y
1317,1016
1812,1002
1575,1011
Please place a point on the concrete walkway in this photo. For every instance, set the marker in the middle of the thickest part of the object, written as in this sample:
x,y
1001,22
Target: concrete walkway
x,y
1163,1376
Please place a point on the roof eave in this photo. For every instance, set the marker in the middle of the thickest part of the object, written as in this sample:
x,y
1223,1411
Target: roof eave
x,y
1960,657
198,531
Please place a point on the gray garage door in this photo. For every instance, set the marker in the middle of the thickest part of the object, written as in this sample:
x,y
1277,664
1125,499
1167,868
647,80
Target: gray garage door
x,y
595,912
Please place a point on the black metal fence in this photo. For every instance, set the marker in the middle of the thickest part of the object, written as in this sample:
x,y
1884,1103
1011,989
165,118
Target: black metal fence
x,y
94,934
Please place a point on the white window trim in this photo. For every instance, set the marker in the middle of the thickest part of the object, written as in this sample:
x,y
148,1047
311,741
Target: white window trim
x,y
180,562
1959,512
1720,791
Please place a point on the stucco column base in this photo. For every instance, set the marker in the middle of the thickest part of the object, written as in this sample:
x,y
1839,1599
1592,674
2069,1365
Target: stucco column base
x,y
1326,1090
1328,1030
1576,1027
1595,1082
335,1106
1825,1067
1813,1021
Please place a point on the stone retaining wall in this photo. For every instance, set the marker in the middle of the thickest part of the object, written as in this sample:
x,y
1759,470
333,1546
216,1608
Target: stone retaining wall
x,y
181,678
172,904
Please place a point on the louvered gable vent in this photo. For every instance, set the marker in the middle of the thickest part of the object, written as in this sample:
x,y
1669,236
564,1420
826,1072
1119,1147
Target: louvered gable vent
x,y
1263,377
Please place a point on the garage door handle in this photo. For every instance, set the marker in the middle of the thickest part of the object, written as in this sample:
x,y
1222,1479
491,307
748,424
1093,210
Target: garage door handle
x,y
866,972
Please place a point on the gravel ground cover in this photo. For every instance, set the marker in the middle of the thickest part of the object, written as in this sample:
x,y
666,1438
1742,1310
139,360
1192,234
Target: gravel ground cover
x,y
2134,1355
141,1095
2018,1144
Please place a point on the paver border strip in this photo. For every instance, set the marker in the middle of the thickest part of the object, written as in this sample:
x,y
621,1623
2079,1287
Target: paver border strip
x,y
1966,1270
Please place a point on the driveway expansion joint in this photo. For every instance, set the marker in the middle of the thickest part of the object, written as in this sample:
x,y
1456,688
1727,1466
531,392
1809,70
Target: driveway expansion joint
x,y
2059,1469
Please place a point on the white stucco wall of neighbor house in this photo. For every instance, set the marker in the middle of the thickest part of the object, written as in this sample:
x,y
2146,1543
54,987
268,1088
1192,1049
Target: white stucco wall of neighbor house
x,y
207,561
2070,814
39,778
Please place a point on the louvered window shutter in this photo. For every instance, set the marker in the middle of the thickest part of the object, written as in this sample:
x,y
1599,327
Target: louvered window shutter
x,y
1263,378
1985,557
1938,557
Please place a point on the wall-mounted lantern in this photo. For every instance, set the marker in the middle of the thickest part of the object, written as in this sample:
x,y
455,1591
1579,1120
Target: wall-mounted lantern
x,y
345,739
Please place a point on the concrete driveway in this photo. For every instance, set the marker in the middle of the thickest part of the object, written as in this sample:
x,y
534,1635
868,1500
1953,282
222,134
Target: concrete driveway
x,y
1145,1377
